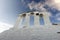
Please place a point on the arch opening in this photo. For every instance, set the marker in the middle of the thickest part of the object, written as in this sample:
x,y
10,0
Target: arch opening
x,y
41,19
37,14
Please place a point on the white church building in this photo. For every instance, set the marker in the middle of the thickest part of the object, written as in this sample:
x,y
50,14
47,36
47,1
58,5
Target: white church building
x,y
48,31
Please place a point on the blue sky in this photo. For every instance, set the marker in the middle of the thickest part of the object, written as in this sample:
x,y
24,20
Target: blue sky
x,y
9,10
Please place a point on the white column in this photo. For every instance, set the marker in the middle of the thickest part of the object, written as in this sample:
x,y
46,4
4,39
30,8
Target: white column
x,y
46,19
36,20
19,20
27,20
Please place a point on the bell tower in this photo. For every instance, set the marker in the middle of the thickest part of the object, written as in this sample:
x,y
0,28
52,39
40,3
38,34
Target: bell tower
x,y
36,15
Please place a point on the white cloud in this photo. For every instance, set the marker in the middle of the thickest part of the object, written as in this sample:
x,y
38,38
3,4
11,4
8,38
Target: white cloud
x,y
4,26
37,6
54,4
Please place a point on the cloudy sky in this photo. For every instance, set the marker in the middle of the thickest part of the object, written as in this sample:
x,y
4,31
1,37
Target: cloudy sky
x,y
9,10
